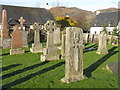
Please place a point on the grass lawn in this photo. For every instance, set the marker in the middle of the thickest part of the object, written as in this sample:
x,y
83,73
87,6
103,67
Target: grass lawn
x,y
27,71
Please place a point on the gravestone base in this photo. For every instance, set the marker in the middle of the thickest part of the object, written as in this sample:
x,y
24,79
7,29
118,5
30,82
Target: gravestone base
x,y
102,52
25,45
16,51
74,79
49,57
36,49
6,43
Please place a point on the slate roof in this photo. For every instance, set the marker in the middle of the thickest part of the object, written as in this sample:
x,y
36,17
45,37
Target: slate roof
x,y
104,19
30,14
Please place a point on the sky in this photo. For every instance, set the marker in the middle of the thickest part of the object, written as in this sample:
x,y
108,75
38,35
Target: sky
x,y
90,5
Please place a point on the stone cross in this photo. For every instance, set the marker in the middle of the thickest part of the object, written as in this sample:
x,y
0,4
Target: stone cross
x,y
5,39
21,20
16,41
74,55
102,47
50,52
37,46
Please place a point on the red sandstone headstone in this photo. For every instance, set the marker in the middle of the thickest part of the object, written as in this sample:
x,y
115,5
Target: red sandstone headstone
x,y
16,41
4,29
21,20
16,38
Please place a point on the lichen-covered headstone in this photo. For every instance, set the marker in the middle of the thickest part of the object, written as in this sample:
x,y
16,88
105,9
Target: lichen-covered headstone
x,y
85,37
36,46
74,55
95,38
63,44
24,38
50,52
102,48
16,47
5,39
57,40
90,40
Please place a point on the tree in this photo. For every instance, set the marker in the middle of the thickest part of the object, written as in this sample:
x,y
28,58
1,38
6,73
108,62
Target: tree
x,y
66,22
115,32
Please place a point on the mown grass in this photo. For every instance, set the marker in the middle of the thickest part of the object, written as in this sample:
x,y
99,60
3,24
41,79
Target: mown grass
x,y
27,71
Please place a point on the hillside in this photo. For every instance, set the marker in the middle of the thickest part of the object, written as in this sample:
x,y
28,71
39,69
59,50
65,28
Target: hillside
x,y
83,17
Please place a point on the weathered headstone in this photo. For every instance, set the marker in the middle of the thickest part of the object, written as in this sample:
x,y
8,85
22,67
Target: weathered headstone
x,y
37,46
5,39
63,44
113,67
85,37
57,37
90,38
50,52
16,41
74,55
95,38
102,48
24,34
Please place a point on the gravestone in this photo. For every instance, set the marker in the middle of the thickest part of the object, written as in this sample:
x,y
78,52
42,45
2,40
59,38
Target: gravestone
x,y
74,55
102,47
24,34
113,67
57,37
5,39
63,44
90,38
85,37
95,38
21,20
36,46
16,42
50,52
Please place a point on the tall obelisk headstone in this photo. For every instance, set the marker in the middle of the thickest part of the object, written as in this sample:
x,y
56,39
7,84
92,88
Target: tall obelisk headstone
x,y
36,46
50,52
16,42
24,38
5,39
102,48
74,55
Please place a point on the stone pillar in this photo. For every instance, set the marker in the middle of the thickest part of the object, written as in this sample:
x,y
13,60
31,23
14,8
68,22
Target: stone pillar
x,y
5,39
36,46
24,34
74,55
16,42
102,48
63,44
50,52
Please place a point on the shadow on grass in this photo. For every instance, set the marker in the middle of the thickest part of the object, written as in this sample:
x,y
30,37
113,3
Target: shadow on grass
x,y
10,66
88,71
95,46
23,70
86,44
5,54
21,80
